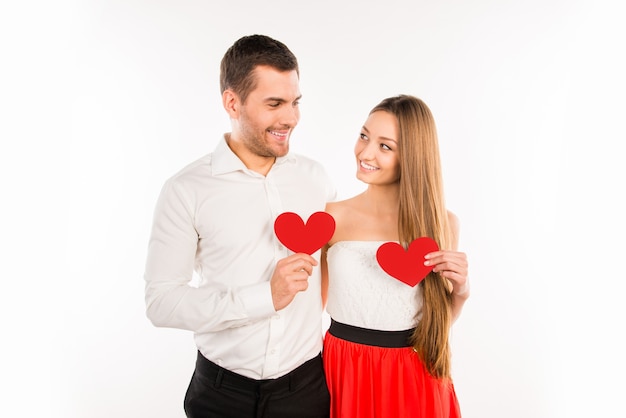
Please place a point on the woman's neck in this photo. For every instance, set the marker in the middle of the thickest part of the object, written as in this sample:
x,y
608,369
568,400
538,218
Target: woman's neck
x,y
382,200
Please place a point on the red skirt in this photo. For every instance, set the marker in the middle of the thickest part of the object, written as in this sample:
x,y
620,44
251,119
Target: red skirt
x,y
367,381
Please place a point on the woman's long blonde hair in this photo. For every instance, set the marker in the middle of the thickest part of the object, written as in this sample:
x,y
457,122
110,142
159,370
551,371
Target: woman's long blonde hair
x,y
422,212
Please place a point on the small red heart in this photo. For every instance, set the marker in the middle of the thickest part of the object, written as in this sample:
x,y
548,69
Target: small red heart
x,y
301,238
406,266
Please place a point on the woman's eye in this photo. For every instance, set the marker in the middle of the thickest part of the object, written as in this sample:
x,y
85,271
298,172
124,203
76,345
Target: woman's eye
x,y
363,137
385,147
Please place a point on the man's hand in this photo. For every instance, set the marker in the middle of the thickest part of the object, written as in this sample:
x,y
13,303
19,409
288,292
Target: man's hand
x,y
291,276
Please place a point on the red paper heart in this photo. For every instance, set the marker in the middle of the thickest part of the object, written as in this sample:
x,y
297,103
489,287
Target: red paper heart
x,y
301,238
406,266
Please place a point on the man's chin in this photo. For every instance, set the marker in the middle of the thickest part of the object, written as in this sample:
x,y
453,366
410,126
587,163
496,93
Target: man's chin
x,y
280,151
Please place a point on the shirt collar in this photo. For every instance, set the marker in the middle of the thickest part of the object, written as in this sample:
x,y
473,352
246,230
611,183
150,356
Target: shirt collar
x,y
224,160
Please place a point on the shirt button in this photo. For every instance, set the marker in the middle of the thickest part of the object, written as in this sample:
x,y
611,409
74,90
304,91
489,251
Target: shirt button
x,y
273,352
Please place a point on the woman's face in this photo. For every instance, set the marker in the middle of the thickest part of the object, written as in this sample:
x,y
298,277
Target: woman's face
x,y
376,150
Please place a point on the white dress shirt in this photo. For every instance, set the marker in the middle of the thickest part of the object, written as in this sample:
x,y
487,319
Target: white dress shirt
x,y
217,217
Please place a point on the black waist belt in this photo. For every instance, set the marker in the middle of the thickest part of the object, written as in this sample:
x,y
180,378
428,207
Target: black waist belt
x,y
222,376
378,338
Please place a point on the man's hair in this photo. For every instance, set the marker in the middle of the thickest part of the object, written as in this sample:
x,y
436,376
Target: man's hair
x,y
247,53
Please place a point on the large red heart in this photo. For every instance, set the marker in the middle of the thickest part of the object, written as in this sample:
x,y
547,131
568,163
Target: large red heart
x,y
304,238
406,266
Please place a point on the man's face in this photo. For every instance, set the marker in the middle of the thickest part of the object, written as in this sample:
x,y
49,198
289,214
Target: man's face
x,y
270,112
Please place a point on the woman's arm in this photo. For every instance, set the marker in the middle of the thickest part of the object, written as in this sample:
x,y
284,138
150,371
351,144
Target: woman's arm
x,y
452,265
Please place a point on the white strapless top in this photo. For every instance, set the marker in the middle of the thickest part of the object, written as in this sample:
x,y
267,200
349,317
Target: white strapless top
x,y
360,293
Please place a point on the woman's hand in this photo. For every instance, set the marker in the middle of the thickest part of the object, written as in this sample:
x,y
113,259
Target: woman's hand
x,y
453,266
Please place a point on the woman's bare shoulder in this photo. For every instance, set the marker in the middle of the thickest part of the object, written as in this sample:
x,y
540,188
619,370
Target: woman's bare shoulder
x,y
347,215
342,207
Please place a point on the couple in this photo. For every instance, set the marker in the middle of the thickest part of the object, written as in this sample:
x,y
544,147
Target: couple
x,y
256,313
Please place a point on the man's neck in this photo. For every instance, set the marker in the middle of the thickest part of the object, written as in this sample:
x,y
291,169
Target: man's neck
x,y
252,161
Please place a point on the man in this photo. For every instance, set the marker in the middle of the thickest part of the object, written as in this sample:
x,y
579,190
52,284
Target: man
x,y
256,313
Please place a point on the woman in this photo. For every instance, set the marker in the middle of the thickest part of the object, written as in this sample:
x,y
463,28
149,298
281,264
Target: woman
x,y
387,352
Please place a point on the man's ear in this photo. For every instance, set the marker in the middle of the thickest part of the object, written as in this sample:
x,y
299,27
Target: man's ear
x,y
230,101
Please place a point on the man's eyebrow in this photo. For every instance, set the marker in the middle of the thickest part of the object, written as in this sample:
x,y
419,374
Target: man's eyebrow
x,y
280,99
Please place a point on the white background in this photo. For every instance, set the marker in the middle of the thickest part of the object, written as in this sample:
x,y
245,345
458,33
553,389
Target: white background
x,y
103,100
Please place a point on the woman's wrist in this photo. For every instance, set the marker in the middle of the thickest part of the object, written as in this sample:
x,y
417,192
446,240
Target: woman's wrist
x,y
462,293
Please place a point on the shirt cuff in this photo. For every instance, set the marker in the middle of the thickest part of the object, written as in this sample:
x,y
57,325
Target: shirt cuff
x,y
257,300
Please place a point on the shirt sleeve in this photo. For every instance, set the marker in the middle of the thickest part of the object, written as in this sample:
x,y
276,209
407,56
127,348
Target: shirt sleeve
x,y
170,299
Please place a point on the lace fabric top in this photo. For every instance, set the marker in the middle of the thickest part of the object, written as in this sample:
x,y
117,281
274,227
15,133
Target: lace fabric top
x,y
362,294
